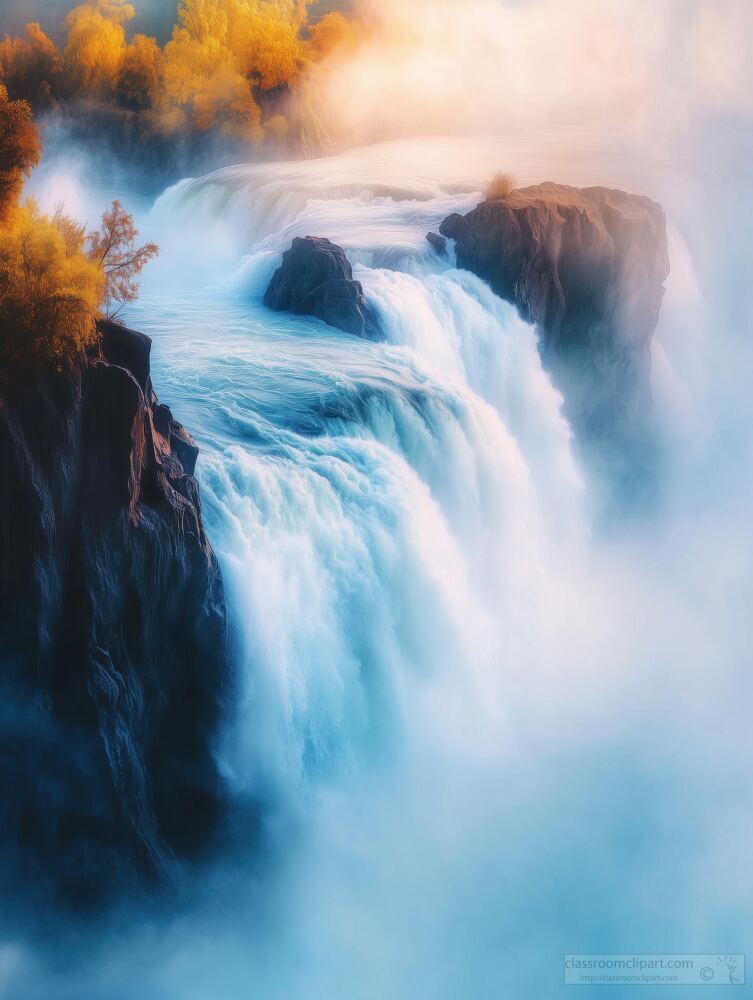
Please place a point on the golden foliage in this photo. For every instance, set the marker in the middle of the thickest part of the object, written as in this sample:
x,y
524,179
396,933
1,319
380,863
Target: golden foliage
x,y
31,67
138,77
54,278
95,46
220,50
51,284
20,149
49,289
333,33
500,186
225,102
113,250
268,47
226,67
200,77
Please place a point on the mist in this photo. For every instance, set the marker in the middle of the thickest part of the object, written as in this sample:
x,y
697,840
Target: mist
x,y
442,66
477,726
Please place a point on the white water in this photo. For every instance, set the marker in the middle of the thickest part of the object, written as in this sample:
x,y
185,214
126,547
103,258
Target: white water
x,y
479,732
389,516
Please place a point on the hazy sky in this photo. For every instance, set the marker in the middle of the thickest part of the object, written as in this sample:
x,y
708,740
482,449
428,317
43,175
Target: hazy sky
x,y
154,17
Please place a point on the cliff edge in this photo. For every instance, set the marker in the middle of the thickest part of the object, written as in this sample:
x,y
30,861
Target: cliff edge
x,y
588,267
113,640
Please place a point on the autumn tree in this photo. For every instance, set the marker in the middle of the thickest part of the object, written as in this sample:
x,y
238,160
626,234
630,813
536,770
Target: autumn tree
x,y
54,278
202,85
333,33
267,44
222,51
228,66
31,67
49,289
112,248
20,149
95,46
138,78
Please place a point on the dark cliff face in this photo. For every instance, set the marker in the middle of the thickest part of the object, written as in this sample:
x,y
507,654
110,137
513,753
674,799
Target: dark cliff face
x,y
588,268
113,647
316,279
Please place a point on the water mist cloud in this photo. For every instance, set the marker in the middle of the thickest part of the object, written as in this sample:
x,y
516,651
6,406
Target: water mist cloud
x,y
438,66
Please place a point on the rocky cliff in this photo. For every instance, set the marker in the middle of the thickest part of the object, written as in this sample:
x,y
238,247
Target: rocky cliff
x,y
113,647
588,267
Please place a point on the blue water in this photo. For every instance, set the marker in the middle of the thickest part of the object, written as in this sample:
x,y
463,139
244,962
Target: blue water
x,y
480,731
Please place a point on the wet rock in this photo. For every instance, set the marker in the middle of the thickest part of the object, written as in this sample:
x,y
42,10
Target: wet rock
x,y
316,279
438,242
113,633
588,267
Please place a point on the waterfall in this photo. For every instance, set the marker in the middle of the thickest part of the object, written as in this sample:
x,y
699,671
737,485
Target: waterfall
x,y
469,723
386,514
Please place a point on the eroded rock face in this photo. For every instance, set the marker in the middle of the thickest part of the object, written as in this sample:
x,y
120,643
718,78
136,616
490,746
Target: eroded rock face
x,y
316,279
588,267
113,645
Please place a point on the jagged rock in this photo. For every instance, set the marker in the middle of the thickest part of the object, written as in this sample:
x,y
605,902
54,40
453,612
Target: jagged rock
x,y
588,267
438,242
113,640
316,279
127,348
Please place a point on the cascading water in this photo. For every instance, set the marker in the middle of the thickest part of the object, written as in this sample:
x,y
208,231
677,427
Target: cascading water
x,y
385,513
467,721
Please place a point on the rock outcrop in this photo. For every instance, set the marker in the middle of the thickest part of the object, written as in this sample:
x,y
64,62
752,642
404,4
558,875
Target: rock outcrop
x,y
588,267
113,645
439,243
316,279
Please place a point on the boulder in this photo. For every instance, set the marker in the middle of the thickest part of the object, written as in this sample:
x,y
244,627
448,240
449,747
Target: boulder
x,y
316,279
439,243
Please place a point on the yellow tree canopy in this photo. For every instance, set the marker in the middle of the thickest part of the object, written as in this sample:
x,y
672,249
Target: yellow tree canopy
x,y
32,66
95,45
138,78
20,149
49,289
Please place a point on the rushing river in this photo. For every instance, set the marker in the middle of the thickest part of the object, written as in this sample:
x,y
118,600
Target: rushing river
x,y
480,728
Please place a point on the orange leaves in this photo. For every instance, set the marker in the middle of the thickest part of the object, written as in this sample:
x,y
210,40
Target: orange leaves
x,y
95,46
49,289
332,34
267,46
138,78
225,102
228,65
220,51
20,149
112,248
52,284
32,67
